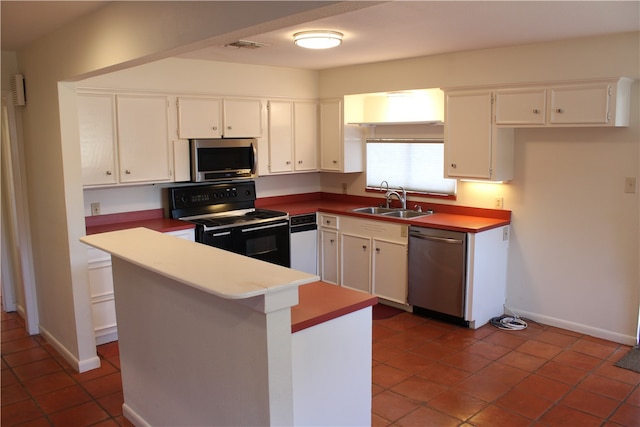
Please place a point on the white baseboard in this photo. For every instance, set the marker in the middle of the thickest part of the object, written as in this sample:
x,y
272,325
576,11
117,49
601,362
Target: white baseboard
x,y
106,335
133,416
577,327
79,365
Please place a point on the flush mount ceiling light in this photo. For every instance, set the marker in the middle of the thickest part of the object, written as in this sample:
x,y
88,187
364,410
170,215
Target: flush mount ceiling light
x,y
318,39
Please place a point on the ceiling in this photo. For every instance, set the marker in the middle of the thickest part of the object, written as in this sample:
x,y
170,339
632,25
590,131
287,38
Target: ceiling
x,y
385,31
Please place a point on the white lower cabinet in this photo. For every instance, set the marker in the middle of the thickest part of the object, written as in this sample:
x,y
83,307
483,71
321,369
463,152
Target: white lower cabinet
x,y
390,269
373,257
356,262
101,289
328,253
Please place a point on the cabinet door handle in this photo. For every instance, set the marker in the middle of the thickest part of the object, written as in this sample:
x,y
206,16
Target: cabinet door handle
x,y
109,172
229,127
377,250
331,241
559,110
215,128
536,111
335,161
453,165
128,172
299,162
364,246
288,162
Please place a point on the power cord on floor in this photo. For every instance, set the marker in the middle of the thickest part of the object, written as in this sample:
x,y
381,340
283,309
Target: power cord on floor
x,y
509,323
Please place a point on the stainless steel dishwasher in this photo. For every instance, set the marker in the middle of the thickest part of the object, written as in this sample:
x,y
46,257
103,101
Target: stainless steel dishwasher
x,y
437,273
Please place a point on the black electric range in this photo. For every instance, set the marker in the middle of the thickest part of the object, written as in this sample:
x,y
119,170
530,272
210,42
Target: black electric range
x,y
225,217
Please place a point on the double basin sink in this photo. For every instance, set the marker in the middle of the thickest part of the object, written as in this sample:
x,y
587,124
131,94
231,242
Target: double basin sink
x,y
391,212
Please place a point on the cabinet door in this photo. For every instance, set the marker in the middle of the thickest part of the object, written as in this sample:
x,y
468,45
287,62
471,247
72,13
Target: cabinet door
x,y
329,256
588,104
331,135
390,268
521,107
280,136
143,143
199,118
305,136
356,262
96,117
468,127
242,118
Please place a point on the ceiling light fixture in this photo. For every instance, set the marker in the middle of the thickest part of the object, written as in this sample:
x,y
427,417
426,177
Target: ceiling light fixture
x,y
318,39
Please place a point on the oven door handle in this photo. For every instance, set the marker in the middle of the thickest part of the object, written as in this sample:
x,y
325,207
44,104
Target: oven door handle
x,y
222,233
264,227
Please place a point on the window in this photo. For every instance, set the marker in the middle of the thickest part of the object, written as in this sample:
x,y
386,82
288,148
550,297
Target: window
x,y
417,165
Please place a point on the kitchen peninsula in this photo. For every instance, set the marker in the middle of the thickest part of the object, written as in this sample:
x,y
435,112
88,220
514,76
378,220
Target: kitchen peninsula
x,y
206,338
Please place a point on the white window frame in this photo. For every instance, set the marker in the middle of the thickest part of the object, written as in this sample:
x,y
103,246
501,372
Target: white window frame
x,y
419,175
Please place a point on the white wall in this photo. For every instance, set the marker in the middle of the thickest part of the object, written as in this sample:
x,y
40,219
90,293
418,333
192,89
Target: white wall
x,y
573,259
9,67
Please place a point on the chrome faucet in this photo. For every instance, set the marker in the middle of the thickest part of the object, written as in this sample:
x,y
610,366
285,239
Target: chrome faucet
x,y
402,198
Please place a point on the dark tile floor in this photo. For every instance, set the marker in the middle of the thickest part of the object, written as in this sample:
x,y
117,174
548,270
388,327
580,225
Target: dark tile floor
x,y
425,373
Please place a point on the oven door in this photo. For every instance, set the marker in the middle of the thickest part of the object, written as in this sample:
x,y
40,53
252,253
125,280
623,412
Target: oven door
x,y
267,241
222,239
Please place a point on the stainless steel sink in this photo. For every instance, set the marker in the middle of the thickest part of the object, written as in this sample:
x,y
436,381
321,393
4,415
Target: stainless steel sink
x,y
374,210
405,214
391,212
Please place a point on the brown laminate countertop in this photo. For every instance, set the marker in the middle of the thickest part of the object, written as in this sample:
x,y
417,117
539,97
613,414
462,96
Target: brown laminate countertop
x,y
319,302
447,217
152,219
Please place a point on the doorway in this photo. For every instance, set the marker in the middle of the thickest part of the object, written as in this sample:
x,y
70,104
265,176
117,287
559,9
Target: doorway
x,y
16,262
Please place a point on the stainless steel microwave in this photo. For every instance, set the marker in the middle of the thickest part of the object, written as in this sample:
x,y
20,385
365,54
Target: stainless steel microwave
x,y
223,159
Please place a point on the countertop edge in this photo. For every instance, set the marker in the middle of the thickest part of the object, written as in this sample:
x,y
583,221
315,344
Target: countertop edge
x,y
130,243
320,302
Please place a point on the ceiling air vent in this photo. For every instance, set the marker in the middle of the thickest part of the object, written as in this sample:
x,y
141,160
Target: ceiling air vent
x,y
246,44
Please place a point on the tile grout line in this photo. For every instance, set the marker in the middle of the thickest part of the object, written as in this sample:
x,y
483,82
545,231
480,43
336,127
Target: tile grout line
x,y
68,371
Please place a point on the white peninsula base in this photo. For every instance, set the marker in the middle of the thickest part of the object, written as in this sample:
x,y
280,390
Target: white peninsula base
x,y
205,338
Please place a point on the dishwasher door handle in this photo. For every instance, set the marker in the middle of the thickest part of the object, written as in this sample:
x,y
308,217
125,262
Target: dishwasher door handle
x,y
437,239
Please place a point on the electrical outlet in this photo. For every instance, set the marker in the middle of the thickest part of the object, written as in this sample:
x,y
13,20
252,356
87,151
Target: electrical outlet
x,y
499,203
505,233
344,188
95,208
630,184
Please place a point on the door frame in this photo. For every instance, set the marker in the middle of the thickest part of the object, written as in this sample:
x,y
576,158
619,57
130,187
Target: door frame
x,y
18,194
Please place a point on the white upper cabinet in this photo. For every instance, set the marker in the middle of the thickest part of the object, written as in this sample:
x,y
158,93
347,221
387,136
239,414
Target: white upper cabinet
x,y
305,136
572,104
580,105
293,137
474,148
199,118
204,117
96,115
341,147
280,136
124,139
143,138
521,107
242,118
